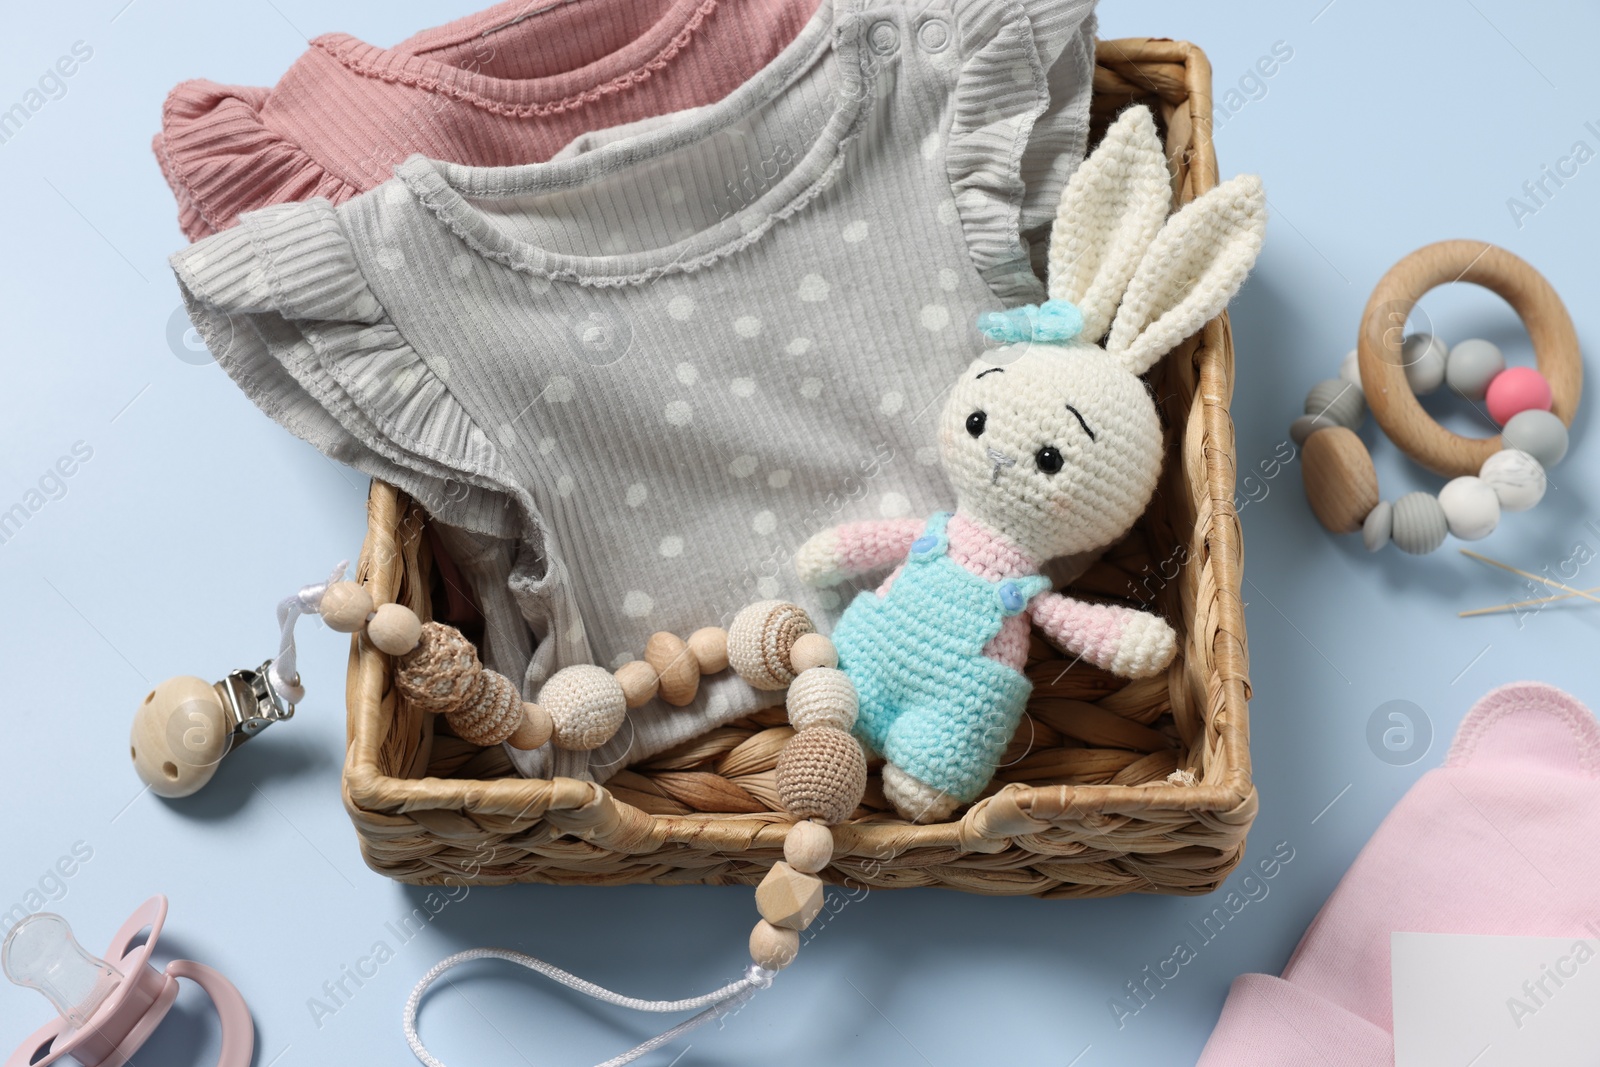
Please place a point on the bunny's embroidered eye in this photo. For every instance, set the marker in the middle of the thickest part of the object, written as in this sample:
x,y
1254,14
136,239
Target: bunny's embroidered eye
x,y
1048,459
975,423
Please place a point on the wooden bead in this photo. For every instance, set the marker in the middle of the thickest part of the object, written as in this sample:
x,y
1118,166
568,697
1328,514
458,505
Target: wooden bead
x,y
808,848
710,647
585,704
773,947
345,607
788,898
180,733
639,682
812,650
536,729
761,640
675,665
395,629
1340,482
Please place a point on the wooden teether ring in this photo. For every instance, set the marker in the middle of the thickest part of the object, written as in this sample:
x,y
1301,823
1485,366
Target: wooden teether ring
x,y
1383,376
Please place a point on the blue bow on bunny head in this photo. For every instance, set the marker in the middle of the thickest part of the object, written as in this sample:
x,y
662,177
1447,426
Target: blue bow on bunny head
x,y
1053,322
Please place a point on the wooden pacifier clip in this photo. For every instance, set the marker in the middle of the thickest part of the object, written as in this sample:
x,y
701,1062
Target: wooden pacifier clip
x,y
1388,371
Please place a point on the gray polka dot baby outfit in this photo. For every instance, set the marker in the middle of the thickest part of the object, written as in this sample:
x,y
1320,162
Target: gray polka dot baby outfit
x,y
649,369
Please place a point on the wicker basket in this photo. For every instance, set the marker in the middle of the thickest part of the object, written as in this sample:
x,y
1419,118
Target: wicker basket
x,y
1083,806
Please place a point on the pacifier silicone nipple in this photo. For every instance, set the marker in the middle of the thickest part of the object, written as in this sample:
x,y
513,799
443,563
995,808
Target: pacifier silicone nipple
x,y
41,953
107,1012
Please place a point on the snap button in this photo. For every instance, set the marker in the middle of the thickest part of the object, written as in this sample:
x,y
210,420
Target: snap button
x,y
925,543
883,37
1011,597
934,35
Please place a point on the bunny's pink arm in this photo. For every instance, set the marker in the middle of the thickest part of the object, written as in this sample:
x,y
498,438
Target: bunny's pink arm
x,y
1125,641
862,547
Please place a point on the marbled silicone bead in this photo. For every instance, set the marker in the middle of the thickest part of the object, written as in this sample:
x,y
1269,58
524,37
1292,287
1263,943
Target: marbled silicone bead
x,y
1518,479
1470,506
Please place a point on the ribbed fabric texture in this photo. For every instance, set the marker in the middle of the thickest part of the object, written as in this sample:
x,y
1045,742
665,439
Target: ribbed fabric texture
x,y
498,88
661,363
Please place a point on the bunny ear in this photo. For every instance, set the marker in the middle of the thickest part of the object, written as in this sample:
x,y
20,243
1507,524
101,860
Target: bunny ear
x,y
1109,214
1190,272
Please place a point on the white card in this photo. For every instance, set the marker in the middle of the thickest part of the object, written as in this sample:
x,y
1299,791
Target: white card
x,y
1466,999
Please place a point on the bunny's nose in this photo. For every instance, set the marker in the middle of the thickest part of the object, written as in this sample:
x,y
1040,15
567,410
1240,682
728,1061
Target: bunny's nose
x,y
1000,461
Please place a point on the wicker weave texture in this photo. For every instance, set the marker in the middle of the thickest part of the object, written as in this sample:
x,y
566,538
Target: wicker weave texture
x,y
1082,806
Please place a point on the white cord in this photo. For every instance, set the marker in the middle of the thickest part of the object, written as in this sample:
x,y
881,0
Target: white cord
x,y
715,1004
308,601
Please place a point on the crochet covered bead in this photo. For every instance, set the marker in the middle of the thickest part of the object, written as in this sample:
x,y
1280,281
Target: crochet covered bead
x,y
822,696
822,774
491,713
586,706
761,639
440,673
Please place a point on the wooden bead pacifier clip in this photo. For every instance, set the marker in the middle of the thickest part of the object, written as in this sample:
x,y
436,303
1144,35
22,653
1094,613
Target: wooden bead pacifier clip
x,y
1388,372
822,776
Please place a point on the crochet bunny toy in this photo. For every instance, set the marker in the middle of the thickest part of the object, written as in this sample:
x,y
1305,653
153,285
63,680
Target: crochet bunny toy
x,y
1052,445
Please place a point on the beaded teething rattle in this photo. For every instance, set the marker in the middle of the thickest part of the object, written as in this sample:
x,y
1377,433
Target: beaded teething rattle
x,y
1388,372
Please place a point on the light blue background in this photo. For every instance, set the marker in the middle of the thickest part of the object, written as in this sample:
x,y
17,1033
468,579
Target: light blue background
x,y
1392,125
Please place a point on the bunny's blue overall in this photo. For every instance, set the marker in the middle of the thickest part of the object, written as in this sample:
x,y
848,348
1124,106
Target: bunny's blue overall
x,y
931,702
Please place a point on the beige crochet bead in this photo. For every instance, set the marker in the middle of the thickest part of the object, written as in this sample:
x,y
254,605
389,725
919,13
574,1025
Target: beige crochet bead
x,y
761,640
394,629
710,648
586,706
822,696
535,730
813,650
440,672
345,606
789,898
808,848
491,713
822,774
676,666
638,680
773,947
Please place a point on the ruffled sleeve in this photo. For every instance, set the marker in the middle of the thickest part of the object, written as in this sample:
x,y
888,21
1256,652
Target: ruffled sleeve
x,y
1020,128
221,158
282,304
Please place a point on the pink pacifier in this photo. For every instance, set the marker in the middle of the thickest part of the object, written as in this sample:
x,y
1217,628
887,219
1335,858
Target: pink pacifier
x,y
108,1009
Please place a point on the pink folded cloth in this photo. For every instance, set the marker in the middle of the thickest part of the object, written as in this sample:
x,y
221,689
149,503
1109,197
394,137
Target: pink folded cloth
x,y
1500,840
512,84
